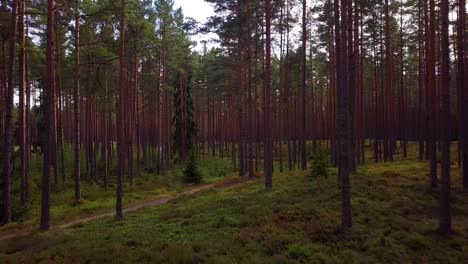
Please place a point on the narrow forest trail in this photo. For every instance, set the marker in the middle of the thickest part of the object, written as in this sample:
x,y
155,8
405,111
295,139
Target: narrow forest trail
x,y
131,208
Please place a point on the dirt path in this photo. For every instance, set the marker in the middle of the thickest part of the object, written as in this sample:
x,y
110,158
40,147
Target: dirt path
x,y
131,208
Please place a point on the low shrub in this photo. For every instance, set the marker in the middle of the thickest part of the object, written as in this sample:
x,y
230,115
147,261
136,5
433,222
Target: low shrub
x,y
192,173
320,163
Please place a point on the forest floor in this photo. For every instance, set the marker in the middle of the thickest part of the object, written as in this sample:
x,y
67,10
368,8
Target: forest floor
x,y
9,234
147,188
395,218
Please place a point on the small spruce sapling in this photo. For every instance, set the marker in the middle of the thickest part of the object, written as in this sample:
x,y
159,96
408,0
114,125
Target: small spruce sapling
x,y
192,173
320,163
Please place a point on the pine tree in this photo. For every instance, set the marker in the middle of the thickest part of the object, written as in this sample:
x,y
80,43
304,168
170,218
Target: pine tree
x,y
49,143
8,137
120,115
183,120
445,225
76,105
268,109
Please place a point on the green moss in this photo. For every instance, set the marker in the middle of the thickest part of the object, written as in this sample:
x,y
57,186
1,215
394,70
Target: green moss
x,y
309,253
216,168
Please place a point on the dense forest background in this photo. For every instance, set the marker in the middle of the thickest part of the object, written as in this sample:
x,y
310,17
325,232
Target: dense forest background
x,y
105,93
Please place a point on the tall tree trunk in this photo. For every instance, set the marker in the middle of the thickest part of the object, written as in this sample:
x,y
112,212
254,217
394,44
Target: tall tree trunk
x,y
445,224
351,85
59,114
241,89
120,112
9,129
421,82
27,118
249,90
3,88
287,118
76,106
463,88
106,133
432,96
281,119
389,113
303,89
402,94
49,91
332,85
22,104
268,159
343,128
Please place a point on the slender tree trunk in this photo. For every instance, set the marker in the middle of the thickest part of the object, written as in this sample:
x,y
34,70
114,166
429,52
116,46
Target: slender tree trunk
x,y
287,118
303,89
241,89
27,120
281,119
343,128
22,110
463,88
76,105
332,86
249,90
445,224
9,129
59,114
120,111
3,88
49,91
55,110
421,82
351,75
402,97
106,133
389,122
268,166
432,97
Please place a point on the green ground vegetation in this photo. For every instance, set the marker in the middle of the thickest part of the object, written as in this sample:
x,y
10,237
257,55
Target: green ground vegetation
x,y
395,217
147,185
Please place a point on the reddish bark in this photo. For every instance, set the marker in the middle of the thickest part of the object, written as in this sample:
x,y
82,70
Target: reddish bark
x,y
7,166
49,91
22,105
445,223
120,113
302,130
268,166
76,107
